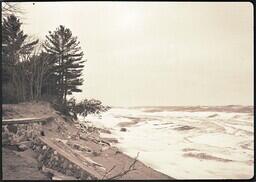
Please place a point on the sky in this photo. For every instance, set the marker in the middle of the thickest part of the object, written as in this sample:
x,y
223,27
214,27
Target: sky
x,y
156,53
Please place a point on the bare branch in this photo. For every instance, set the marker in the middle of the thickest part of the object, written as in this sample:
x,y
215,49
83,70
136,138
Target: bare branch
x,y
9,8
130,168
108,172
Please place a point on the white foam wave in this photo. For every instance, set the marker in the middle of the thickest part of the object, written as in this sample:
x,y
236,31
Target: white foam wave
x,y
173,142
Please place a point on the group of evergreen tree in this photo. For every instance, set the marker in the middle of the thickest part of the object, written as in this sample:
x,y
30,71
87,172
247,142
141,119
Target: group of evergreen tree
x,y
32,70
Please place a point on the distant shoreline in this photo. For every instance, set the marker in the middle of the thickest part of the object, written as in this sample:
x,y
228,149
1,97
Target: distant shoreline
x,y
226,108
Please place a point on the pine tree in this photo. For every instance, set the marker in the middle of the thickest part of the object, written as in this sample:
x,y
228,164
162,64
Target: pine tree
x,y
68,61
14,41
15,44
9,8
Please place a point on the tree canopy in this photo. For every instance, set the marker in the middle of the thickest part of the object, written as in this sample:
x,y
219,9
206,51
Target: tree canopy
x,y
68,61
51,70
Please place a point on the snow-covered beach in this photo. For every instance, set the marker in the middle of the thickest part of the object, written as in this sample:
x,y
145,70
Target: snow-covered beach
x,y
183,143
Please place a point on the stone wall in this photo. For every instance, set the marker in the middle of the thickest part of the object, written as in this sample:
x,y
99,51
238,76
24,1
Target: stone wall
x,y
50,158
17,133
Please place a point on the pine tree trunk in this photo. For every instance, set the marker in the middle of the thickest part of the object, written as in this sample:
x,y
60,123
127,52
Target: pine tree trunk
x,y
65,94
32,83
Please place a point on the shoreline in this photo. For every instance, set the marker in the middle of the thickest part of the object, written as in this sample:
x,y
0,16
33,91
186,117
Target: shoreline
x,y
187,140
89,145
117,155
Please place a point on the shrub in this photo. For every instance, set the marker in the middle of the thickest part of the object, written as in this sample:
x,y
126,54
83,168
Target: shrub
x,y
83,108
91,106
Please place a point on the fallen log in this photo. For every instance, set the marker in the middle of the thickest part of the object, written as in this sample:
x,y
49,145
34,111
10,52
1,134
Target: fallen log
x,y
26,120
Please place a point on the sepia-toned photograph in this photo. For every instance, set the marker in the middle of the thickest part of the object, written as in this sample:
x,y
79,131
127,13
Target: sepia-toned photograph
x,y
119,90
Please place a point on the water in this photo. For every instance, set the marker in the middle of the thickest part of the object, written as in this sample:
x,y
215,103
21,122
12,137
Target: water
x,y
186,143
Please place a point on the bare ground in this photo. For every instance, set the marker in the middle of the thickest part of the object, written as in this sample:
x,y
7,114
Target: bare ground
x,y
21,165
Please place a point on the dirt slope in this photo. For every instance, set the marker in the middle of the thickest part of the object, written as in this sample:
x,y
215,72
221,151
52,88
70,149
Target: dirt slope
x,y
66,130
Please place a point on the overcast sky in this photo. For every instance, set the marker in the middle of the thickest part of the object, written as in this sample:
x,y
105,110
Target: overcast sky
x,y
149,53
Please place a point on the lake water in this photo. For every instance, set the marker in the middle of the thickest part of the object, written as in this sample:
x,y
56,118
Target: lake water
x,y
185,142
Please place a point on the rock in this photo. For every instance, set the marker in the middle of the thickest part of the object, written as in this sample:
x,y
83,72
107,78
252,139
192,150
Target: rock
x,y
37,148
89,178
184,128
40,157
77,137
20,139
77,174
33,146
76,146
5,138
51,176
29,134
54,164
70,166
55,152
123,129
56,158
95,153
5,141
22,147
118,152
104,148
104,143
19,133
68,172
42,133
65,164
107,131
84,175
62,159
48,172
52,158
44,147
12,128
40,165
48,164
60,169
111,140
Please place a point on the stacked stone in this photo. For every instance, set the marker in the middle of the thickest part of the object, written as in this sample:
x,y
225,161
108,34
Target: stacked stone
x,y
16,133
51,159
